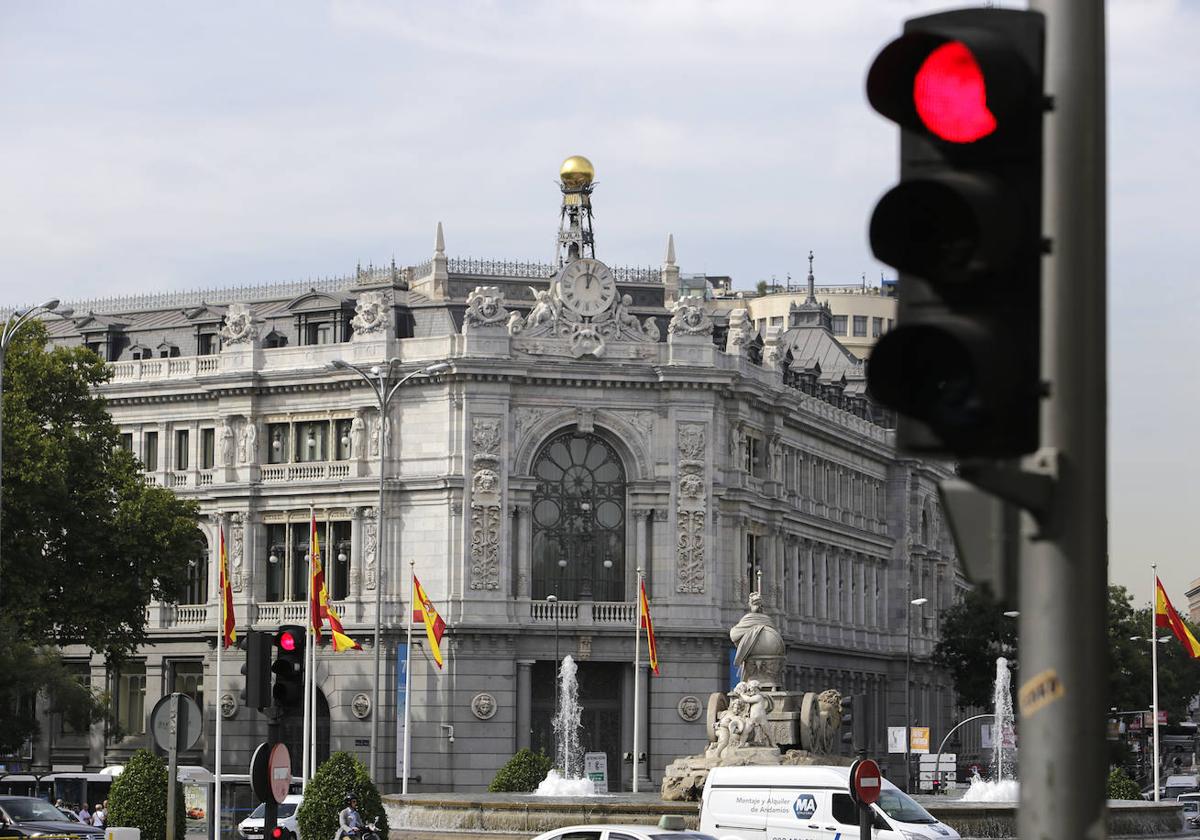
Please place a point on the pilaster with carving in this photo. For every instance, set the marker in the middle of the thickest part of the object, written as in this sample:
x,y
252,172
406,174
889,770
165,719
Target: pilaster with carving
x,y
691,508
237,534
371,546
485,502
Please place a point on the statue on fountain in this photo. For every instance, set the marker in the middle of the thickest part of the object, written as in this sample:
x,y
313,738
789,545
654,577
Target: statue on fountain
x,y
759,722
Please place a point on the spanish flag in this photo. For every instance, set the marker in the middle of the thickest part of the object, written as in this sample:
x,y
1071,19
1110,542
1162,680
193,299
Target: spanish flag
x,y
648,623
322,610
1166,617
228,633
435,628
316,582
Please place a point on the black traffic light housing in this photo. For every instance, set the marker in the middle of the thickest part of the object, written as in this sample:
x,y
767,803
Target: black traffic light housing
x,y
854,724
963,227
257,669
288,668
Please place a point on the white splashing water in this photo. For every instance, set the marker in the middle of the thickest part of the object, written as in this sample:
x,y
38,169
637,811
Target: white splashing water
x,y
555,785
1002,787
566,779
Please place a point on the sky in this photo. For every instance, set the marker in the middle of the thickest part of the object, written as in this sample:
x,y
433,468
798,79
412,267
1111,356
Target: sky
x,y
152,146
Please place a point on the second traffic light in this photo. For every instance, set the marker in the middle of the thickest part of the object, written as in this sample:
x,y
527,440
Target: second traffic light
x,y
288,668
964,229
257,669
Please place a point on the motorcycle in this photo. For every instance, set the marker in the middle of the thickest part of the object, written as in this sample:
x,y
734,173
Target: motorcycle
x,y
370,831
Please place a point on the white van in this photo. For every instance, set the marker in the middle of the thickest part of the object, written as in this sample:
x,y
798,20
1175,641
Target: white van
x,y
806,803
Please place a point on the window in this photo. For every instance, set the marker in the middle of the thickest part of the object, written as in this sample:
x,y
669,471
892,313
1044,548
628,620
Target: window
x,y
277,434
139,353
168,351
82,672
336,550
288,559
275,339
131,698
150,451
276,561
579,523
187,677
839,324
752,562
96,347
207,344
860,326
319,332
344,448
181,449
125,441
195,590
889,324
208,448
776,320
876,327
311,441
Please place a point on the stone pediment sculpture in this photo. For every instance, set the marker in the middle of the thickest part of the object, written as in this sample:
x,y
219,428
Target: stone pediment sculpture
x,y
689,317
239,326
581,313
370,314
758,722
485,308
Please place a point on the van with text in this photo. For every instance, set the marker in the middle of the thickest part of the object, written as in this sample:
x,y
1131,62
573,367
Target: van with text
x,y
806,803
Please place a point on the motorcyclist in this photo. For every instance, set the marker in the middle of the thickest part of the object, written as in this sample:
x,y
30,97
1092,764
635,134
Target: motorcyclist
x,y
349,820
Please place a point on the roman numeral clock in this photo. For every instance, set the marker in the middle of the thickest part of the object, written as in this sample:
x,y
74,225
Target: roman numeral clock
x,y
587,287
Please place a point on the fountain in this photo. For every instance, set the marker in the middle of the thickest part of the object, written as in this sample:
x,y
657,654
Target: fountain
x,y
1003,786
566,777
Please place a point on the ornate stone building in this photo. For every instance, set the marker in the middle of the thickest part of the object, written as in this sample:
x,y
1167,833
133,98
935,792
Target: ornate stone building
x,y
592,421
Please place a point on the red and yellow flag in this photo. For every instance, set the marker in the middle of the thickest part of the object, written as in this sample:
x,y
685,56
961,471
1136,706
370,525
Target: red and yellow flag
x,y
316,583
1166,617
228,633
648,623
322,610
435,628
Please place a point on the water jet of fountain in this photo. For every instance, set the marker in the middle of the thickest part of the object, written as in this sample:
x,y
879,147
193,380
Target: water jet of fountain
x,y
1002,787
566,777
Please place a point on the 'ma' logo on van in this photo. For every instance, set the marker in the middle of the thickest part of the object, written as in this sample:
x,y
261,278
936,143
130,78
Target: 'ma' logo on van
x,y
804,806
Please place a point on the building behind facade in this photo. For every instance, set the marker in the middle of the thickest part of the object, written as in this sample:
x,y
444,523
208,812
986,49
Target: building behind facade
x,y
580,433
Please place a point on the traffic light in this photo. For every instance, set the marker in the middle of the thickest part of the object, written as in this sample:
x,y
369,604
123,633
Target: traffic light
x,y
288,691
854,723
257,670
964,229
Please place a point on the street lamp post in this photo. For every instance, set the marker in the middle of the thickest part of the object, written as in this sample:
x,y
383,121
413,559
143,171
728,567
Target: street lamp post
x,y
914,602
7,331
380,379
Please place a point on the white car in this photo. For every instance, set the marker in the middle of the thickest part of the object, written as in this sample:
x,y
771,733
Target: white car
x,y
251,828
669,828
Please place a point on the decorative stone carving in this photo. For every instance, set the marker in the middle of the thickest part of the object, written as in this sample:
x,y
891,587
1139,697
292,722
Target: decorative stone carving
x,y
691,508
370,544
360,706
775,451
239,326
584,653
485,308
358,433
229,706
650,330
485,503
552,328
371,314
248,442
688,317
689,708
226,443
483,706
740,333
760,648
237,536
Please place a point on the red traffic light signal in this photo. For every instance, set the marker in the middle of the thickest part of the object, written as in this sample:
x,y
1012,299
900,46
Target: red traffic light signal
x,y
288,668
950,95
277,833
287,640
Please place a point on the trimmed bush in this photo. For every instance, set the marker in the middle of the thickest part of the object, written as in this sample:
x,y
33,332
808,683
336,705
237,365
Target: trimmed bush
x,y
138,798
1120,786
523,772
324,795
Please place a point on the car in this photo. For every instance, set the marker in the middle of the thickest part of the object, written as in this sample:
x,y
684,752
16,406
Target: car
x,y
668,828
28,816
251,828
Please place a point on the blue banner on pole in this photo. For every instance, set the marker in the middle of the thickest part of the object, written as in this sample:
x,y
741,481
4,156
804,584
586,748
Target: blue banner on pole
x,y
401,700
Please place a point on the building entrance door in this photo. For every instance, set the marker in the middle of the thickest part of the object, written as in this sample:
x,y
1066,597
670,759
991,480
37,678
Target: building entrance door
x,y
600,711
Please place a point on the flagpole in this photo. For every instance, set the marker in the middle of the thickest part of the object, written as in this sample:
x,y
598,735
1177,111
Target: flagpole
x,y
637,674
408,679
309,641
1154,670
220,646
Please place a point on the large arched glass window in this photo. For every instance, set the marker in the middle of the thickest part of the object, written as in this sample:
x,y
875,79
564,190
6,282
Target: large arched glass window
x,y
579,520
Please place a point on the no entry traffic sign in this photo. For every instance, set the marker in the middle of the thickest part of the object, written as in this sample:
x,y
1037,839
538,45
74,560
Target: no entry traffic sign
x,y
865,781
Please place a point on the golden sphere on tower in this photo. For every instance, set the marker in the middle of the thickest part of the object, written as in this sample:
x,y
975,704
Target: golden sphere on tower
x,y
576,172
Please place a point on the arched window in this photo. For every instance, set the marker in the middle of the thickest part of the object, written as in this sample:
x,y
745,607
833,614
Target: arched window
x,y
579,519
925,527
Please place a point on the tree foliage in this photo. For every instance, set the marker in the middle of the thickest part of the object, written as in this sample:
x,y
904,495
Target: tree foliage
x,y
138,798
85,544
974,632
1120,786
324,797
521,773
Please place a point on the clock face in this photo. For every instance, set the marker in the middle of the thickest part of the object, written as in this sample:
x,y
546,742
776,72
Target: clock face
x,y
587,287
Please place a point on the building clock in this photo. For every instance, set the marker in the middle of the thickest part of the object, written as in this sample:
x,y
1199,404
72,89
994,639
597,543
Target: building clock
x,y
587,287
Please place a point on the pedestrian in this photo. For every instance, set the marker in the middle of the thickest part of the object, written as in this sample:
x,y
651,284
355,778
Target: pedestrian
x,y
85,816
98,816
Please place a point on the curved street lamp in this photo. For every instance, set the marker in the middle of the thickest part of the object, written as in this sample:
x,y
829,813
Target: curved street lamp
x,y
7,331
384,386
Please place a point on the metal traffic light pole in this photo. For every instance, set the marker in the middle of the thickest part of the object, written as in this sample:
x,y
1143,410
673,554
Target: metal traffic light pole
x,y
1064,556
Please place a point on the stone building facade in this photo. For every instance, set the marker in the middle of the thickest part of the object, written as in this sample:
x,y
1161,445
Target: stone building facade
x,y
557,455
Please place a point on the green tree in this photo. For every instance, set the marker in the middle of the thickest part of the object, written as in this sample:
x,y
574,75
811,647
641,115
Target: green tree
x,y
85,544
761,287
324,797
1120,786
521,773
138,798
974,632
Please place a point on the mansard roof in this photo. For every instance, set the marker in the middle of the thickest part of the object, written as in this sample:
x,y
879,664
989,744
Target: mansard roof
x,y
313,300
92,322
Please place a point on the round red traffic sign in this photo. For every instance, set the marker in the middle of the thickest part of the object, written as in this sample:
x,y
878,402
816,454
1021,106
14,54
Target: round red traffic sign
x,y
866,781
279,765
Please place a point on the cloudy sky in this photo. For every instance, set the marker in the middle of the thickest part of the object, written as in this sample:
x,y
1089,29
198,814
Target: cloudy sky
x,y
153,146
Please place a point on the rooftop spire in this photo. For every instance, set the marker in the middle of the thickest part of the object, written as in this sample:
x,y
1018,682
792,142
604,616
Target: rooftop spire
x,y
439,242
812,282
670,249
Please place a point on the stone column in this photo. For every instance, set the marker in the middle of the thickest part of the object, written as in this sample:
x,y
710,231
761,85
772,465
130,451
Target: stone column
x,y
524,702
624,775
356,552
640,517
643,701
524,546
